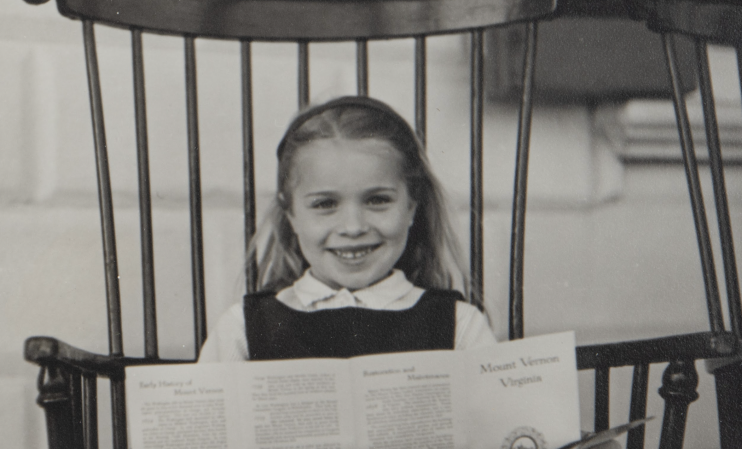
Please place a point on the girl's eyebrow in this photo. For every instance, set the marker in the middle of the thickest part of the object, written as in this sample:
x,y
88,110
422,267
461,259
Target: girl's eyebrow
x,y
380,189
320,193
369,191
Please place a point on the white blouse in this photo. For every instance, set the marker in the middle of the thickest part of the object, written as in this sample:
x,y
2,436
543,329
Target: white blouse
x,y
228,343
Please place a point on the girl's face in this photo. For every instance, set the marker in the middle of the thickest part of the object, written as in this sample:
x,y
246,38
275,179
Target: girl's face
x,y
350,209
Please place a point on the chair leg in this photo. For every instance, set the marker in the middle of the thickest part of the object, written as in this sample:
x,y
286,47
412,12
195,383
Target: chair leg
x,y
729,403
679,383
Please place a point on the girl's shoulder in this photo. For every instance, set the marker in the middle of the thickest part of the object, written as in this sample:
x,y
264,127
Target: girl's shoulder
x,y
444,293
262,294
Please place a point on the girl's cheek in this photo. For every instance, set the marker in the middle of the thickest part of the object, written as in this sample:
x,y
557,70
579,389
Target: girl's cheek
x,y
395,225
323,226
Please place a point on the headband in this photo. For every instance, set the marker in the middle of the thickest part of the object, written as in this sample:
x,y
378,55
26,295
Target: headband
x,y
352,101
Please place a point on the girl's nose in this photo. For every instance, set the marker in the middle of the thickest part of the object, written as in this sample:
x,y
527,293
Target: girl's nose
x,y
353,223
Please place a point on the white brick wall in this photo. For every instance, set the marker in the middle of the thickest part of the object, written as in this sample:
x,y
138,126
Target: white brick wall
x,y
602,241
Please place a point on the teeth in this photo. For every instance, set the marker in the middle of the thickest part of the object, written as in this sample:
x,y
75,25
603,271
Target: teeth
x,y
351,255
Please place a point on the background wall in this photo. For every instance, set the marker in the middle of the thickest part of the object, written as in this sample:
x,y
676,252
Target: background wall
x,y
610,247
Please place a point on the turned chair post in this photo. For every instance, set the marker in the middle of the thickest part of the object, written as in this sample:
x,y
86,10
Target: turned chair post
x,y
59,392
679,383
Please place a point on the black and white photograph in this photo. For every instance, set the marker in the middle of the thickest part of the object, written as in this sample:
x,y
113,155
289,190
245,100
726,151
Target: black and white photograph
x,y
370,224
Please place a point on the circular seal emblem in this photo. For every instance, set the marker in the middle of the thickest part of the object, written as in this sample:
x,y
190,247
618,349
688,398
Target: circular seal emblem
x,y
524,438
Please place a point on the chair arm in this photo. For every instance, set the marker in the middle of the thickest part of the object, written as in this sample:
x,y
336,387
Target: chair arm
x,y
45,351
703,345
714,364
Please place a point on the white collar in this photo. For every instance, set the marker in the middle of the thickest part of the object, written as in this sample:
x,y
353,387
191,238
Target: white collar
x,y
309,290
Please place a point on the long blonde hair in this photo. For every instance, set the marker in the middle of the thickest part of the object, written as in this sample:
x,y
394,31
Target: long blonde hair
x,y
431,258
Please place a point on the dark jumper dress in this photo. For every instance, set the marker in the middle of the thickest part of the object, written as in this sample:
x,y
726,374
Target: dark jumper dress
x,y
276,331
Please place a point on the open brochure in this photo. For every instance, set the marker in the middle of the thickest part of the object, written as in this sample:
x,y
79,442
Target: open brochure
x,y
520,394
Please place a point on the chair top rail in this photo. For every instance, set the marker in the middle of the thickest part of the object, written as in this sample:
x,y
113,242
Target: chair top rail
x,y
51,351
714,20
316,20
702,345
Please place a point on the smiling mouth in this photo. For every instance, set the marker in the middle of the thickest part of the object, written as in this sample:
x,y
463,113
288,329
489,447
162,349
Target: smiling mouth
x,y
355,253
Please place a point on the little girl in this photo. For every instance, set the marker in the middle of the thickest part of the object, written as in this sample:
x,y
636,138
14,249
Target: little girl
x,y
359,248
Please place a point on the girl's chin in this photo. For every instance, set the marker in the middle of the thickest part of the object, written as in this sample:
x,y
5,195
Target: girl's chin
x,y
353,283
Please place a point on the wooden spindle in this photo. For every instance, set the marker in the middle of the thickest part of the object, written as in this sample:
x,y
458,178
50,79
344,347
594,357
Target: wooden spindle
x,y
420,89
638,408
145,200
518,227
90,411
118,413
303,75
476,159
248,164
602,403
76,406
362,67
194,178
105,201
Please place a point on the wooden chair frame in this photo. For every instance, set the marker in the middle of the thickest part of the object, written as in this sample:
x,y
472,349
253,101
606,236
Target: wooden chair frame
x,y
67,381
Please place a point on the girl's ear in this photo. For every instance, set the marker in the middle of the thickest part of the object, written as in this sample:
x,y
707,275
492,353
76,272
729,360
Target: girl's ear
x,y
283,203
412,211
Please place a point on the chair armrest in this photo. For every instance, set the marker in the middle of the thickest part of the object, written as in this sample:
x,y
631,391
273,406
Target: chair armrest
x,y
47,351
714,364
703,345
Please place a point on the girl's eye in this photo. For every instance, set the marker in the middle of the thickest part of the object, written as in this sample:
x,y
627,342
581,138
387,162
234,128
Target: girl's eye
x,y
323,203
379,200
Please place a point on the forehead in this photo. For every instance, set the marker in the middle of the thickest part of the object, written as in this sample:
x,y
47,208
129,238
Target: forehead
x,y
336,163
